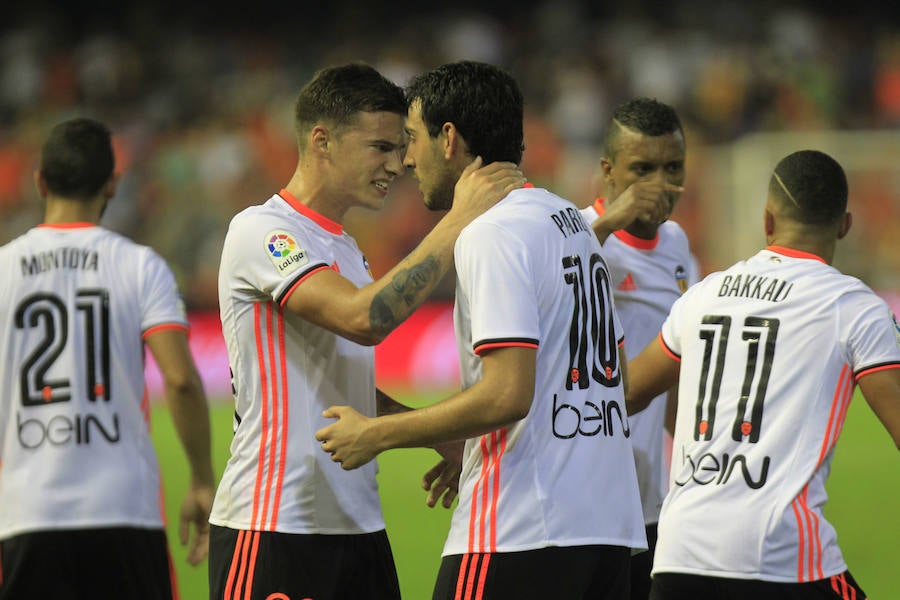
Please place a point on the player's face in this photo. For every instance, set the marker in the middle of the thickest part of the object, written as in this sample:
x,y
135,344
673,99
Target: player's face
x,y
367,156
641,157
425,158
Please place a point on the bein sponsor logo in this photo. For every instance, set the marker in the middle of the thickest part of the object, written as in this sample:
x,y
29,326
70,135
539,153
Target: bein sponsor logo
x,y
66,430
590,419
710,469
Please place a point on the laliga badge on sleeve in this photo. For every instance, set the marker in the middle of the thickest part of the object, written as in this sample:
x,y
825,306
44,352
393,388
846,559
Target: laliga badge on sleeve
x,y
284,252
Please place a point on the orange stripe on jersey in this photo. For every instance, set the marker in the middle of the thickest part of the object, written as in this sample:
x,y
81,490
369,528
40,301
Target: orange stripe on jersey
x,y
800,538
498,454
290,291
272,448
164,327
833,415
264,392
279,482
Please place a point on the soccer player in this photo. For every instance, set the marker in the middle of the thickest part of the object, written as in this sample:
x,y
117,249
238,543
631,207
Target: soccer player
x,y
300,313
549,505
650,265
79,482
768,353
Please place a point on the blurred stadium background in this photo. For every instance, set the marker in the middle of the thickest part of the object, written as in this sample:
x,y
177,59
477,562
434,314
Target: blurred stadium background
x,y
200,98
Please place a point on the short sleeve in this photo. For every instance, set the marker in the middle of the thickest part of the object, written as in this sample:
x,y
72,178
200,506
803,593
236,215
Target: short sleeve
x,y
671,331
873,334
161,302
263,255
495,274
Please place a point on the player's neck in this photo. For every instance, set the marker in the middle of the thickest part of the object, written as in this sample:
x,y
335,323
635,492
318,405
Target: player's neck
x,y
62,210
314,194
810,245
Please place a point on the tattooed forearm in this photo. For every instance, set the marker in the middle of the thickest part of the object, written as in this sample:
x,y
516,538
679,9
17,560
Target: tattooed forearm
x,y
406,291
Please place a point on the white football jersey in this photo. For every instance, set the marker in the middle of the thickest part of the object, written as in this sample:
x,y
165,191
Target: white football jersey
x,y
76,303
530,272
770,352
647,277
285,372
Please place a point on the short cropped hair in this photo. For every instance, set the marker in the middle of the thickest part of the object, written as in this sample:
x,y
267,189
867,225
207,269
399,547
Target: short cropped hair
x,y
647,116
336,95
77,159
483,101
811,186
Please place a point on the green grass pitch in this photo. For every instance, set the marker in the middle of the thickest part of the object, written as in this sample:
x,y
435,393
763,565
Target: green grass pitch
x,y
864,489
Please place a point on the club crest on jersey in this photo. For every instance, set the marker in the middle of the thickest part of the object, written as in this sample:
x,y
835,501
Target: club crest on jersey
x,y
896,328
681,278
284,252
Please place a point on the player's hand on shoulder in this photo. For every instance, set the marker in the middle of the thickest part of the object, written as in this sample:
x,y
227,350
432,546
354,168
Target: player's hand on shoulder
x,y
480,187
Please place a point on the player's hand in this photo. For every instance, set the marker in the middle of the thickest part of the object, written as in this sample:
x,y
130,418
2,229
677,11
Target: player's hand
x,y
443,478
345,439
479,188
650,200
195,510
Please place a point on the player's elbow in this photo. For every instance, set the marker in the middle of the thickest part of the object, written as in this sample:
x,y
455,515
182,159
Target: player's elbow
x,y
182,381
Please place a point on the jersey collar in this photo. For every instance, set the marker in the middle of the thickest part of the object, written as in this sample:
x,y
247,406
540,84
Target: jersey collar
x,y
625,237
75,225
785,251
320,220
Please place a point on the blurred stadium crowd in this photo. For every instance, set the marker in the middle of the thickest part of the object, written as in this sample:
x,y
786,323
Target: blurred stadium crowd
x,y
202,109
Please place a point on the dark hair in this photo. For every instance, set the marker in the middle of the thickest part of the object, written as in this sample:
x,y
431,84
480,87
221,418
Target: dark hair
x,y
647,116
812,187
481,100
77,159
337,94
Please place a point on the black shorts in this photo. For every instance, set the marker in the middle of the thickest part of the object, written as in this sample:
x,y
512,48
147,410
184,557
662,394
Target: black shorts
x,y
572,572
266,565
86,564
677,586
641,565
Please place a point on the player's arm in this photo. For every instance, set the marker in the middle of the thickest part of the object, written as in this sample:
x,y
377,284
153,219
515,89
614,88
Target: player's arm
x,y
651,373
367,315
501,397
190,414
881,390
647,198
671,409
442,480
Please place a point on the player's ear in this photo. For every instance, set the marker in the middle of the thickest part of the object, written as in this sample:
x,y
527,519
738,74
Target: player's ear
x,y
768,221
109,190
453,142
846,223
319,138
40,184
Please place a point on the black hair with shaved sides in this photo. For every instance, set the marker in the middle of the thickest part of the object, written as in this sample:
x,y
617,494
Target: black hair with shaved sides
x,y
811,187
647,116
77,159
336,95
483,101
